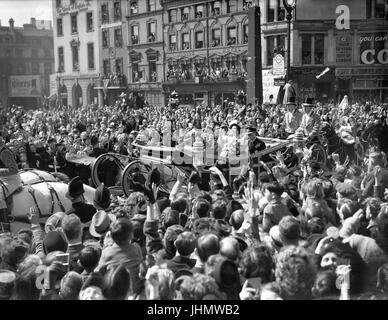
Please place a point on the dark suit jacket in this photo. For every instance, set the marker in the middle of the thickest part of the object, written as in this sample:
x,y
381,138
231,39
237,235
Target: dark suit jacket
x,y
180,263
84,211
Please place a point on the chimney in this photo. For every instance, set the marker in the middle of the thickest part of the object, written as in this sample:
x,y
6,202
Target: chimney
x,y
33,22
11,25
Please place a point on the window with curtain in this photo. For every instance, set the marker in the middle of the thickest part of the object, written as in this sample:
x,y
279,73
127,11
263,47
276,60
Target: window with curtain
x,y
89,21
104,13
59,27
151,5
119,65
106,67
216,37
91,55
135,34
306,49
380,8
133,7
185,13
199,11
232,36
231,6
118,38
61,59
270,47
74,26
216,8
185,41
172,15
319,48
245,33
117,10
105,38
271,4
152,32
153,77
199,43
281,11
172,42
74,50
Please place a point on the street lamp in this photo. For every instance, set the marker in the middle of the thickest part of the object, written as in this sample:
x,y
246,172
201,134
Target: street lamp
x,y
289,5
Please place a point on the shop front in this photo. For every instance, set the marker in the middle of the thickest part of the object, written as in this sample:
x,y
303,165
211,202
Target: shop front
x,y
307,84
365,83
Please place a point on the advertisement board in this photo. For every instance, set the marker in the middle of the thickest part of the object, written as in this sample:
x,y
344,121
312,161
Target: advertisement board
x,y
326,10
269,87
344,49
25,86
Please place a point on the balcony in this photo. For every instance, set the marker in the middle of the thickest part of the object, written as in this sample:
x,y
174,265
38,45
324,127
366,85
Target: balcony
x,y
116,80
202,75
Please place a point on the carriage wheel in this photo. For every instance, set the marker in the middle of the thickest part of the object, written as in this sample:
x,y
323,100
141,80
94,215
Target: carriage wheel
x,y
168,175
319,154
129,170
97,163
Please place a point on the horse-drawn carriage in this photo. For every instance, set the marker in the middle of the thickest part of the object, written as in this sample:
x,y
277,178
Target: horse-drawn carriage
x,y
117,171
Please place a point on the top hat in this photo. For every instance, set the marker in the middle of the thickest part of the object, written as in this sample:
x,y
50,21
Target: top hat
x,y
76,188
291,101
310,102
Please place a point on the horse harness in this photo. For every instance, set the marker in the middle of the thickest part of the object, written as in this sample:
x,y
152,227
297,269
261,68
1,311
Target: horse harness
x,y
53,194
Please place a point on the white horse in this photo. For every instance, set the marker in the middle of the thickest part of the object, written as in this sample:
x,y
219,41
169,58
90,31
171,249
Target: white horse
x,y
43,191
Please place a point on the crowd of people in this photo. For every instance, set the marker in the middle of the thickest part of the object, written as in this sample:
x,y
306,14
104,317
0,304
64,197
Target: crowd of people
x,y
317,232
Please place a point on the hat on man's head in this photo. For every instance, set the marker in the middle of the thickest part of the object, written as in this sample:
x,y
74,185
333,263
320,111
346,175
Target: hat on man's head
x,y
291,101
76,188
310,102
234,123
251,127
54,241
7,282
346,190
54,221
102,196
228,278
101,222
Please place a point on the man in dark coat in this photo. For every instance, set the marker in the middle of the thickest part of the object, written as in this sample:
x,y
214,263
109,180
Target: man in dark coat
x,y
79,207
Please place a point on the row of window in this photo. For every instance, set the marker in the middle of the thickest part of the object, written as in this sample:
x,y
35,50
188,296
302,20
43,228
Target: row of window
x,y
214,8
74,24
215,41
75,57
117,12
313,48
118,38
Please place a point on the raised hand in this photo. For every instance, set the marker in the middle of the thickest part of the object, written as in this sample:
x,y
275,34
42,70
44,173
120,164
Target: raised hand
x,y
335,157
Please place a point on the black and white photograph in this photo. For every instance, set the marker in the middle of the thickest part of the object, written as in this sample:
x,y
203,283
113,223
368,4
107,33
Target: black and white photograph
x,y
172,151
